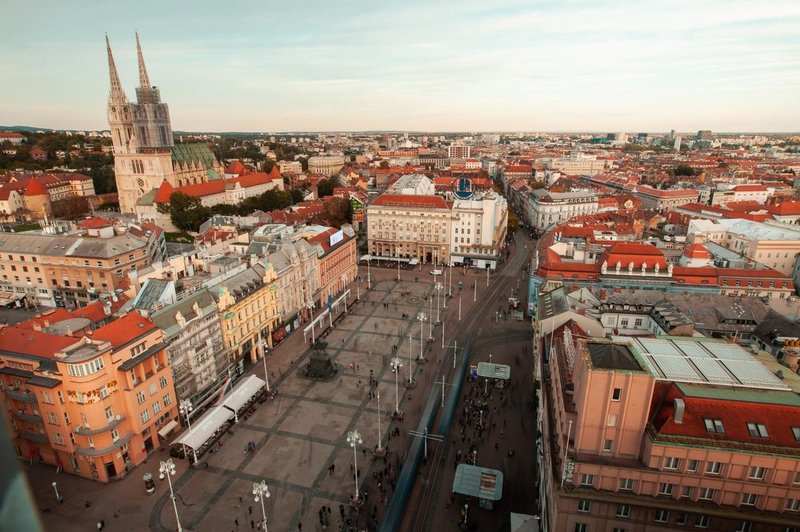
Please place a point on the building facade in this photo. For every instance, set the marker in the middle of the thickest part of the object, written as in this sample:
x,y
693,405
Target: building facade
x,y
656,199
326,165
478,230
337,261
195,347
95,405
548,208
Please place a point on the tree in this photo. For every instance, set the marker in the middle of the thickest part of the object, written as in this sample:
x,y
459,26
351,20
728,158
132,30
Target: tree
x,y
187,213
513,223
297,195
70,208
338,211
384,164
325,187
683,170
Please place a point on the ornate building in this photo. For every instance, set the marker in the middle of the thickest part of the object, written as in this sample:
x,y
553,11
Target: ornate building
x,y
144,154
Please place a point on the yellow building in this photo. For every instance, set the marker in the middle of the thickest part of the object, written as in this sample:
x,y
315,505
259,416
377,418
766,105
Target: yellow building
x,y
248,306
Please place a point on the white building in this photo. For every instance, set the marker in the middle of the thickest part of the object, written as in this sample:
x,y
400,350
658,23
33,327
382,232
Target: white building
x,y
548,208
412,185
478,230
326,165
576,164
290,166
458,151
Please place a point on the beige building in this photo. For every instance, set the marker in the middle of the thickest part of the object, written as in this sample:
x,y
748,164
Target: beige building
x,y
412,227
576,164
773,244
294,167
656,199
72,270
248,307
326,165
297,270
478,230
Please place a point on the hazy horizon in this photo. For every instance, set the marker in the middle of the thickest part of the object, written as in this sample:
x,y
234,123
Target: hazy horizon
x,y
474,66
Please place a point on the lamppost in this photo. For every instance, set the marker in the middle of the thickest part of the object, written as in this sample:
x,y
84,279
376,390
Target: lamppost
x,y
398,268
310,307
186,407
58,495
369,277
379,450
264,355
410,381
487,276
421,317
261,492
167,469
354,439
396,365
438,287
475,292
430,321
459,307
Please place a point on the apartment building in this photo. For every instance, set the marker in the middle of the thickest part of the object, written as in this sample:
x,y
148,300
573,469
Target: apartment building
x,y
297,269
337,261
663,434
576,164
194,344
547,208
96,405
773,244
285,167
71,270
458,151
478,230
656,199
248,307
413,227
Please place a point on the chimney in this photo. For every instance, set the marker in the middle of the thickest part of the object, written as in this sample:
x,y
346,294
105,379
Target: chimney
x,y
680,407
603,295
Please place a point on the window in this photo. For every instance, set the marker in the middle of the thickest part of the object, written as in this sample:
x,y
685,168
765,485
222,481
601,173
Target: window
x,y
167,400
60,396
713,468
671,462
796,478
66,419
114,435
692,466
84,419
616,394
638,322
746,526
665,488
757,473
587,479
153,388
796,433
686,492
682,519
109,413
757,430
707,494
714,425
793,505
702,521
626,484
612,420
616,529
140,397
749,499
608,445
623,510
52,418
584,505
58,438
156,407
162,381
47,398
145,415
581,527
662,516
91,441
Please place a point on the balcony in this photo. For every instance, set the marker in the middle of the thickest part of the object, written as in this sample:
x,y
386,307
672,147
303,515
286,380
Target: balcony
x,y
112,423
19,395
30,418
91,451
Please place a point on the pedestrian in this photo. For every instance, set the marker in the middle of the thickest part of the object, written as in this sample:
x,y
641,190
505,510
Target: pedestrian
x,y
236,522
252,524
250,510
101,524
299,526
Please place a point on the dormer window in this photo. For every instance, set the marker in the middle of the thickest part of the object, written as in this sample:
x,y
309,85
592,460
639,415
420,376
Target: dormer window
x,y
757,430
714,425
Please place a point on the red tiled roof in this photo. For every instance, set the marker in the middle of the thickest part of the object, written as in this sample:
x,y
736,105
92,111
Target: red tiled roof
x,y
635,252
750,188
519,168
165,190
786,208
125,329
275,173
399,200
236,167
735,415
29,342
673,193
696,251
35,189
54,316
95,222
218,186
10,135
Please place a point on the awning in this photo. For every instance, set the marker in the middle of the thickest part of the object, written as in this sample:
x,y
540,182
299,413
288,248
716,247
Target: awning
x,y
494,371
166,429
205,427
478,482
243,393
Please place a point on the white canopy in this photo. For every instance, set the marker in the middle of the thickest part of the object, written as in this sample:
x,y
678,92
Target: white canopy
x,y
205,427
243,393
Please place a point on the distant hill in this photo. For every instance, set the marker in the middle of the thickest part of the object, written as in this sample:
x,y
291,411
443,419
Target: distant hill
x,y
24,128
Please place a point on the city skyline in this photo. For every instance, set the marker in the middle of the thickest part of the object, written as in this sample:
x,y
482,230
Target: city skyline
x,y
518,67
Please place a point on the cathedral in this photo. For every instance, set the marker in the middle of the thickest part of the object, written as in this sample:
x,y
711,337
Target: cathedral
x,y
144,152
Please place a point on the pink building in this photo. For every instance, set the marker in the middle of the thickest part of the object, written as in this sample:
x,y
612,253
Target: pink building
x,y
667,433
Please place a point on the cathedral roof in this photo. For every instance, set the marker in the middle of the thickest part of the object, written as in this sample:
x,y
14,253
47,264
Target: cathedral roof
x,y
193,153
275,173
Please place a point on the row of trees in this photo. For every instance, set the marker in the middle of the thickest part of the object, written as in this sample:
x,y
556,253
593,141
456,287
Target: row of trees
x,y
187,213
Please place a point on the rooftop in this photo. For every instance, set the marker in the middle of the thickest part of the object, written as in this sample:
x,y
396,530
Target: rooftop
x,y
607,355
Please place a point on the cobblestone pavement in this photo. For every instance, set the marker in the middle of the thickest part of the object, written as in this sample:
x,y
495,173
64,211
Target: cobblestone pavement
x,y
299,435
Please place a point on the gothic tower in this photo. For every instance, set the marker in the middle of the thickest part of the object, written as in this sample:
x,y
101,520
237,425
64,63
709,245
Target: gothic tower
x,y
144,152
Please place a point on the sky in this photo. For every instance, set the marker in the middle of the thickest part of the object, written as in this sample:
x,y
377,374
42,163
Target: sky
x,y
458,65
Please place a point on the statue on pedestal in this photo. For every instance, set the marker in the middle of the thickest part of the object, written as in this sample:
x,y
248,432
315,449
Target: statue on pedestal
x,y
320,365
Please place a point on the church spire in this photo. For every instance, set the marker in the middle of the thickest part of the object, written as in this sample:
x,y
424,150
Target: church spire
x,y
116,87
144,79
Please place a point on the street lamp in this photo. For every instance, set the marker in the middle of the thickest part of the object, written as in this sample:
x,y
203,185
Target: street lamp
x,y
167,469
310,307
379,450
354,439
421,317
396,365
186,407
438,293
369,277
410,377
58,495
264,355
261,492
